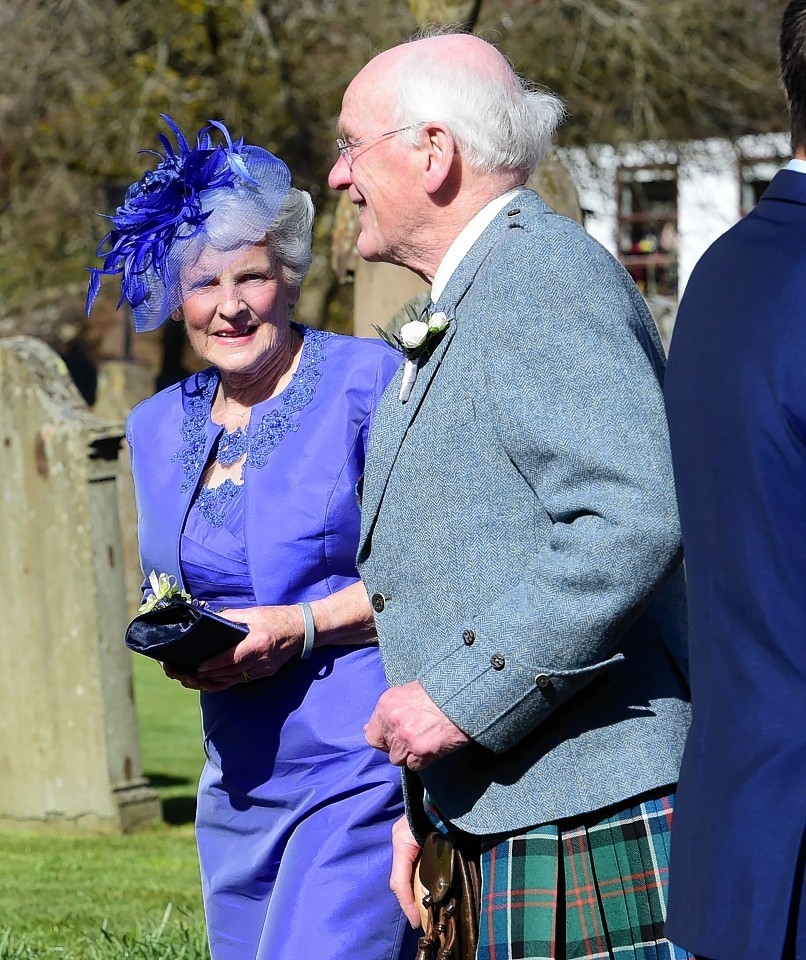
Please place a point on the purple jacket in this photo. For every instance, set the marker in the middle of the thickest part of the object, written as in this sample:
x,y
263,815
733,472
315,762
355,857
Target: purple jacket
x,y
301,516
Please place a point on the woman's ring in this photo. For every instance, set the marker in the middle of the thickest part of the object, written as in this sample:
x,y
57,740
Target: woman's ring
x,y
245,675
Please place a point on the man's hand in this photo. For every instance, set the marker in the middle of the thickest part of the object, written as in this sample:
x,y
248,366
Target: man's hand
x,y
405,851
411,728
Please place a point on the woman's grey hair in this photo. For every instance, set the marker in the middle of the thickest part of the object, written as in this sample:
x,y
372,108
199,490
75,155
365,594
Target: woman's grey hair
x,y
290,236
498,125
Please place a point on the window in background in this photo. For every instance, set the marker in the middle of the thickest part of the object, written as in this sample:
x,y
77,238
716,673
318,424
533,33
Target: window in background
x,y
647,227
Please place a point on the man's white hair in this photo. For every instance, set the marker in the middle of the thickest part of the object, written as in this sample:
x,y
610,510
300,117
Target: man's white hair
x,y
499,123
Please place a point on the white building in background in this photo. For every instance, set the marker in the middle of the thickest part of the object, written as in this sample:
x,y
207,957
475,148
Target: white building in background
x,y
658,206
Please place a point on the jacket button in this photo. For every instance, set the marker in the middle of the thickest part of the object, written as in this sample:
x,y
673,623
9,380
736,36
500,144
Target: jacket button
x,y
468,638
378,602
542,680
513,213
498,661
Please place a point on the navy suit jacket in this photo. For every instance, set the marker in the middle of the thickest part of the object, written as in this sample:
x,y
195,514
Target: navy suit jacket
x,y
736,401
519,532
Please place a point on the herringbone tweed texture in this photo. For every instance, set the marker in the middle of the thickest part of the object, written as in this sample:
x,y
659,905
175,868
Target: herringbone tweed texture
x,y
519,521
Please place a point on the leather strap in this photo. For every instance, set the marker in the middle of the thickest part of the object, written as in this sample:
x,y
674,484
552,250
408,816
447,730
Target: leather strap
x,y
449,880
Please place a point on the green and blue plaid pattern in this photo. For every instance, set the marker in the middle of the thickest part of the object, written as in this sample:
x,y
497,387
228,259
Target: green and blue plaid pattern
x,y
591,891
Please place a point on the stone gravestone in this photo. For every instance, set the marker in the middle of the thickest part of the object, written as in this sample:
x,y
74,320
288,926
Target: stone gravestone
x,y
121,385
69,750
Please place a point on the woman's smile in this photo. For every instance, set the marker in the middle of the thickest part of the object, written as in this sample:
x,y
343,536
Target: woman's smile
x,y
237,333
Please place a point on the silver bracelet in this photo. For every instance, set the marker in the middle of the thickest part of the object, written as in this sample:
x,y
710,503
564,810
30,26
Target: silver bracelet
x,y
307,616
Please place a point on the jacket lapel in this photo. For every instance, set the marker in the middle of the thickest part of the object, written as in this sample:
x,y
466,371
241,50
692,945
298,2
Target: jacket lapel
x,y
389,429
394,418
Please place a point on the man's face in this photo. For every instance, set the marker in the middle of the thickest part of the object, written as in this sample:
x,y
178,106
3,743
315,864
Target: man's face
x,y
379,176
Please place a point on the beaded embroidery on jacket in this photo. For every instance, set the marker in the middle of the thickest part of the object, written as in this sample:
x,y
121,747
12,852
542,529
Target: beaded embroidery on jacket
x,y
273,427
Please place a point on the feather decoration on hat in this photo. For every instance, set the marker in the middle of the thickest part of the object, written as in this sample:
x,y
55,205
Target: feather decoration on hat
x,y
165,207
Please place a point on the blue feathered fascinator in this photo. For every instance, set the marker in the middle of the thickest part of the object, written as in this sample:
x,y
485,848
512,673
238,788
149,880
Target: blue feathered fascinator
x,y
183,222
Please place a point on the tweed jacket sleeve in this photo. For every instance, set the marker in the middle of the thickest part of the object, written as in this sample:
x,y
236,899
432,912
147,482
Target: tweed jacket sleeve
x,y
567,372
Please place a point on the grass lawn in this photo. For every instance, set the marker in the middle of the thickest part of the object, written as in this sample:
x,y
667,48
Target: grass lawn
x,y
95,897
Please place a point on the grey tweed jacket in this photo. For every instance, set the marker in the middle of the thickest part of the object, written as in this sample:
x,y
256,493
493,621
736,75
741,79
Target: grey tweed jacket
x,y
520,539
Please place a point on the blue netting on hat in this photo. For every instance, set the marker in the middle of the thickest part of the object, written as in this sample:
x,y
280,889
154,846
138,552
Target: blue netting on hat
x,y
183,222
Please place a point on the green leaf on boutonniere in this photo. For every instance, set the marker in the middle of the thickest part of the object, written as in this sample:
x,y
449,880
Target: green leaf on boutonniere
x,y
387,337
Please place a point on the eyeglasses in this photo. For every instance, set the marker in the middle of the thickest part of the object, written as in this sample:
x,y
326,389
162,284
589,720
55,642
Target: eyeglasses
x,y
346,147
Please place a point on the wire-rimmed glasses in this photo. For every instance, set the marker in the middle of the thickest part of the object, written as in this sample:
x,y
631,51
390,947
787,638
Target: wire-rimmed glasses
x,y
346,147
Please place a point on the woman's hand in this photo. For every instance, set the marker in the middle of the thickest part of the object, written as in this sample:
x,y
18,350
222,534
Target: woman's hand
x,y
405,851
275,636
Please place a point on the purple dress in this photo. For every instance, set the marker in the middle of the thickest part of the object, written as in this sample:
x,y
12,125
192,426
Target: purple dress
x,y
294,809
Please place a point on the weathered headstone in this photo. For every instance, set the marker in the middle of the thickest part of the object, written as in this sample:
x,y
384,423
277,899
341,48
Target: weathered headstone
x,y
69,751
122,384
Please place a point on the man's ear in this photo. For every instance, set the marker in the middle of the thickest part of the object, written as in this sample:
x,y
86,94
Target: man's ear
x,y
440,151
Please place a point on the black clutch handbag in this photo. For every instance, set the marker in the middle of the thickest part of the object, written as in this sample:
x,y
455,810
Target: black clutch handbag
x,y
182,634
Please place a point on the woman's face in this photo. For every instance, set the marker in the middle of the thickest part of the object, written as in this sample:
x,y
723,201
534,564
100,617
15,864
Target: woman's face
x,y
236,320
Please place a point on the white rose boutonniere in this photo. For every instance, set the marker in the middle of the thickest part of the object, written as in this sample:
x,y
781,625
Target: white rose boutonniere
x,y
413,334
417,339
438,322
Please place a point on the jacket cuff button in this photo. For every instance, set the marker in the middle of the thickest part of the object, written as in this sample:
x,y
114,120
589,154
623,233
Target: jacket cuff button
x,y
498,662
543,680
378,602
468,638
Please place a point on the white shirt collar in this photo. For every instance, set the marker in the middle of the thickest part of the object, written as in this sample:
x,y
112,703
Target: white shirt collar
x,y
799,166
469,235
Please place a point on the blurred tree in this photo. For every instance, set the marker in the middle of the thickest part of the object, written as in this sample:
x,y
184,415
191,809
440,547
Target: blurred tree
x,y
461,13
85,80
645,70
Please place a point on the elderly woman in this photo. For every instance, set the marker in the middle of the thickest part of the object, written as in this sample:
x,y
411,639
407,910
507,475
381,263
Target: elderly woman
x,y
246,477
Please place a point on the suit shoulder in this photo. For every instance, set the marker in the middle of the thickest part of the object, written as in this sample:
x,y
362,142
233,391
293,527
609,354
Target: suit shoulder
x,y
542,253
554,236
369,350
363,357
155,407
547,278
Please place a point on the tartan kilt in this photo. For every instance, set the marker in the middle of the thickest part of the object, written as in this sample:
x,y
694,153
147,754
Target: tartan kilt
x,y
587,890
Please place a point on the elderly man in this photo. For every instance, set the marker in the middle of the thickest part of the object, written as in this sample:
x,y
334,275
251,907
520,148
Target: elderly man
x,y
520,540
